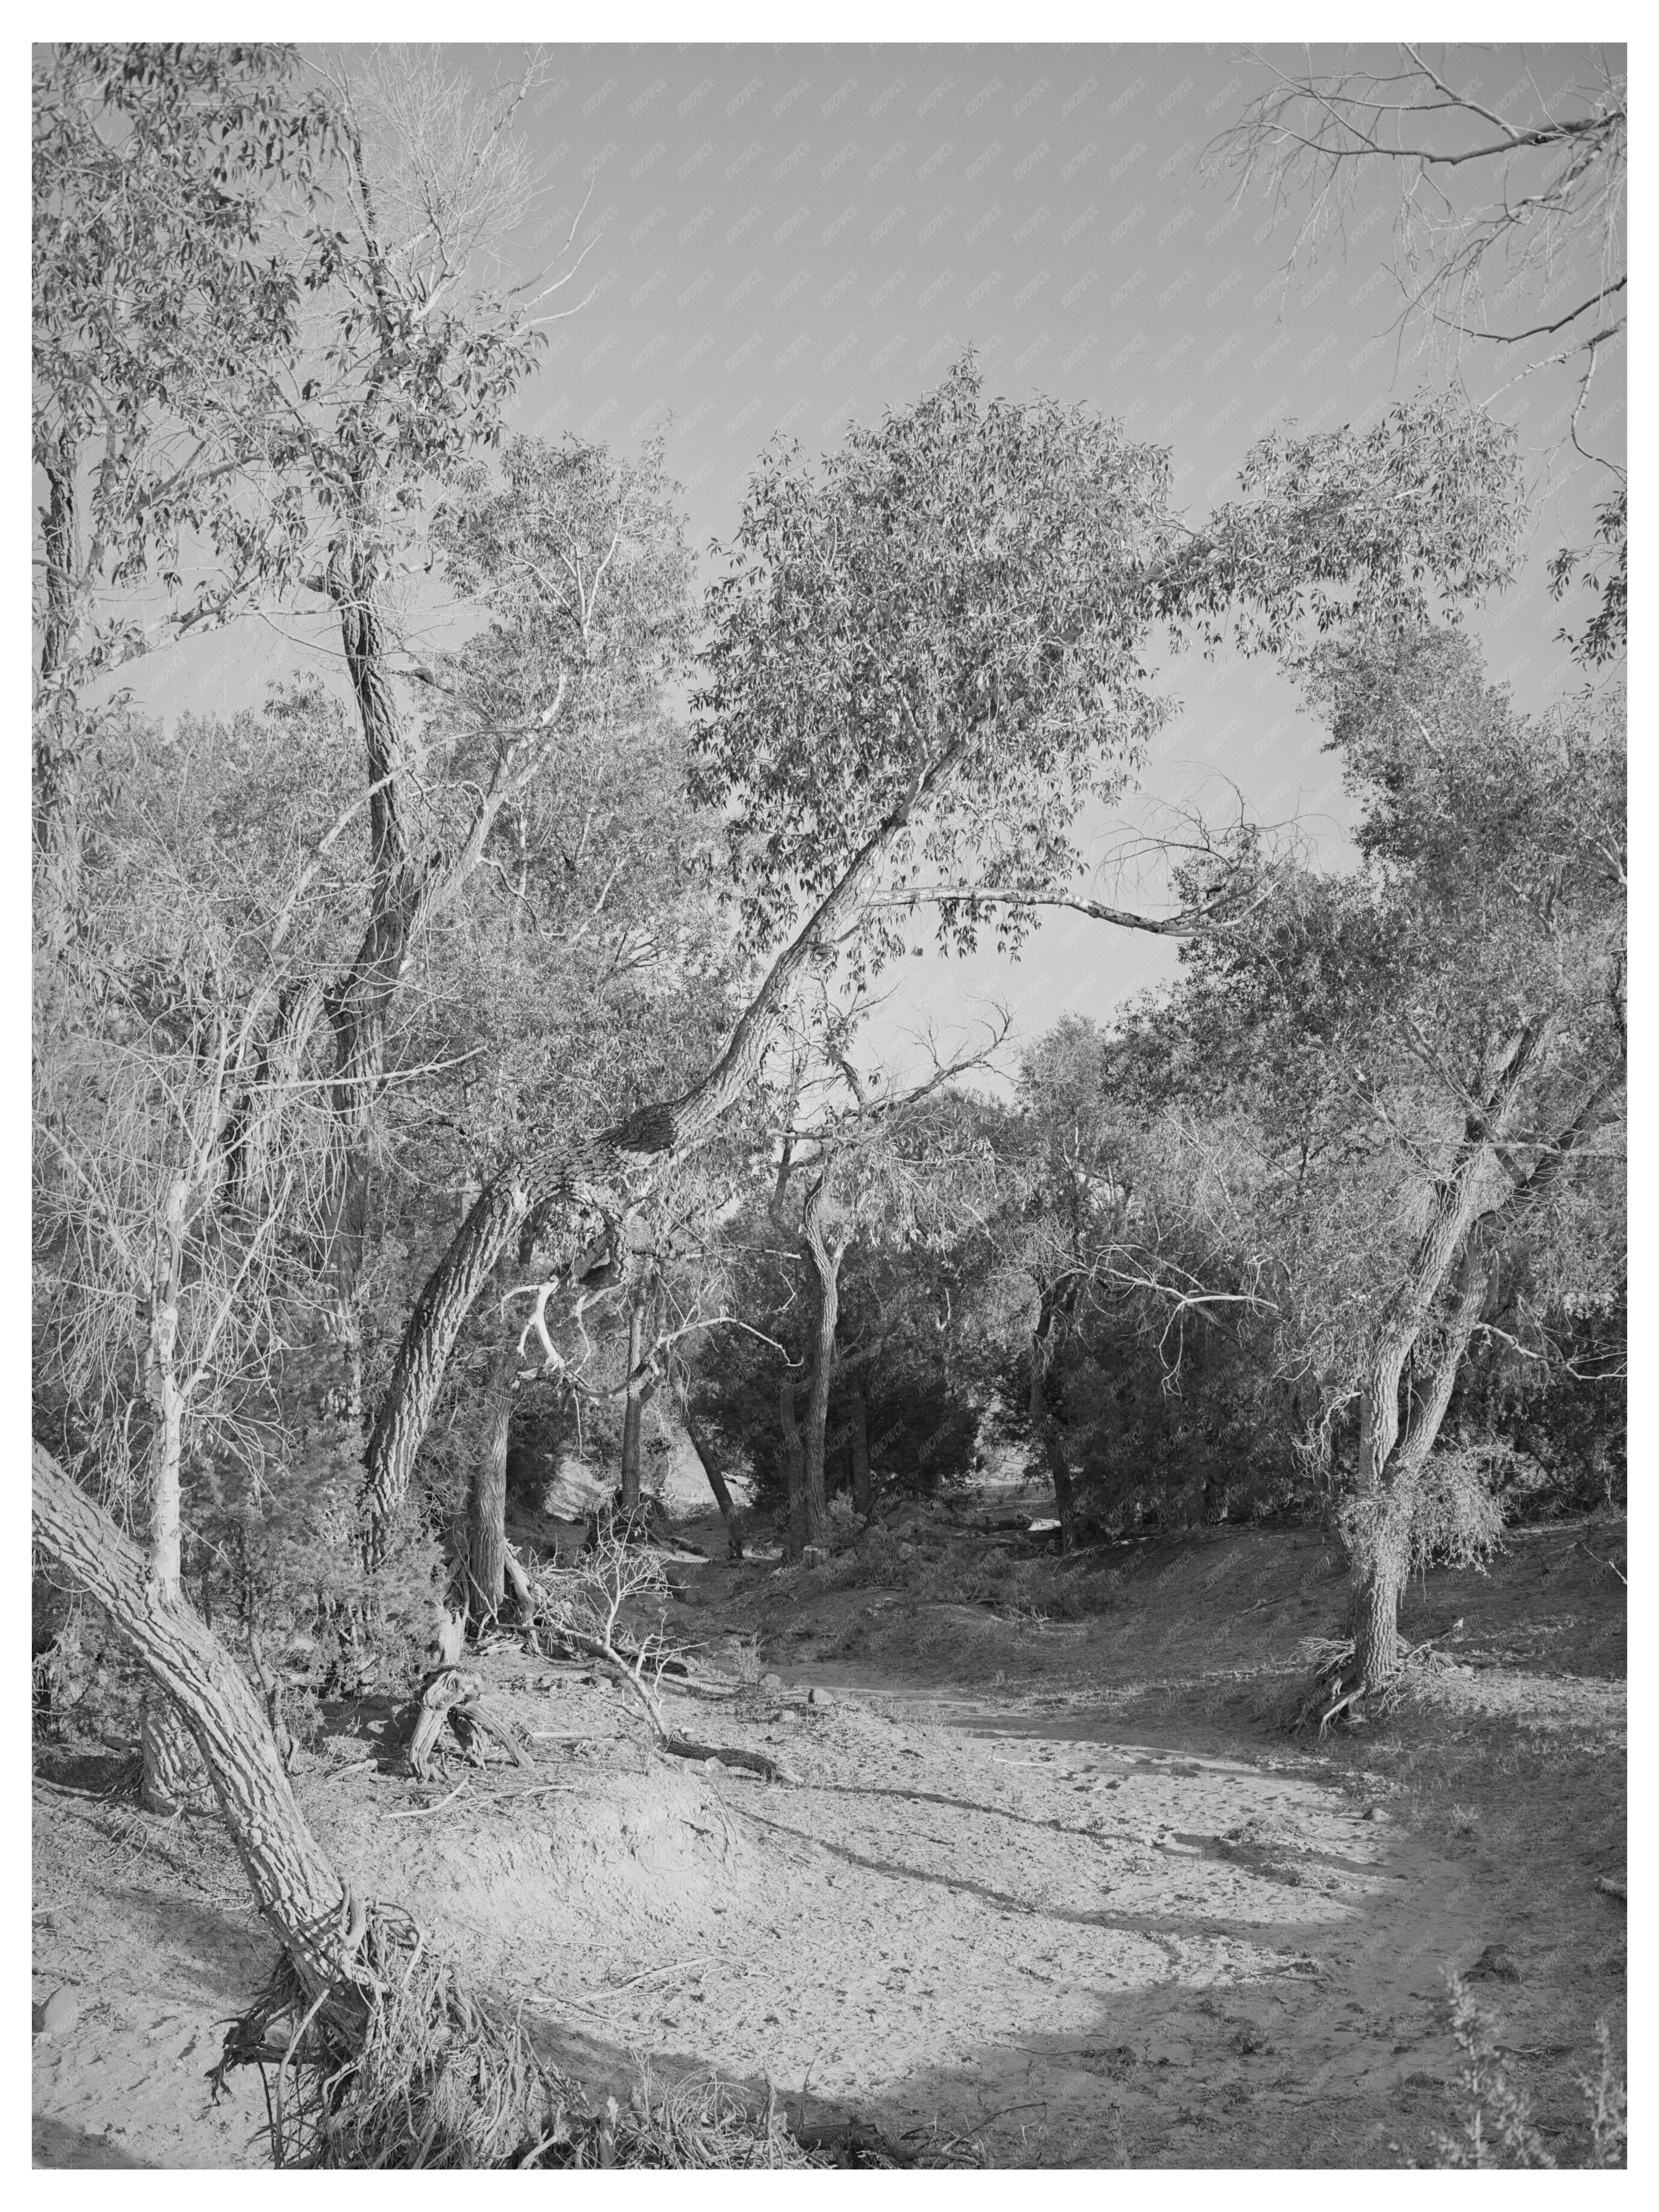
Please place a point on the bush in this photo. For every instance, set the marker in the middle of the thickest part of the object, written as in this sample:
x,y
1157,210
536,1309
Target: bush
x,y
1495,2126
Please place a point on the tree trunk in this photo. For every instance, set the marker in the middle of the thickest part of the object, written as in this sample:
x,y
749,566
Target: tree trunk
x,y
711,1467
486,1499
794,1471
171,1777
633,1407
295,1888
170,1772
1380,1555
1045,1431
826,1256
863,1498
59,756
1378,1524
359,1004
587,1177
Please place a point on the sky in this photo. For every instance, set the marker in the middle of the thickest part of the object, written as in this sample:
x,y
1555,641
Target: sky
x,y
787,239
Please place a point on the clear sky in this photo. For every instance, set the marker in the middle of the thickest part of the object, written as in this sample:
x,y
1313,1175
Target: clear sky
x,y
787,237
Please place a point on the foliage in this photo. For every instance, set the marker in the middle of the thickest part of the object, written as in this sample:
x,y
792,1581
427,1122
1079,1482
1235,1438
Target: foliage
x,y
953,597
1215,1204
1496,2126
1510,236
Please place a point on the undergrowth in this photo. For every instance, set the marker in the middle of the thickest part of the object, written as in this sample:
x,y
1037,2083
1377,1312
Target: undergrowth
x,y
1495,2126
408,2071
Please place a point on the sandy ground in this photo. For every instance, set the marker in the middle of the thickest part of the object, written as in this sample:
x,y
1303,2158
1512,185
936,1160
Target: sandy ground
x,y
1051,1884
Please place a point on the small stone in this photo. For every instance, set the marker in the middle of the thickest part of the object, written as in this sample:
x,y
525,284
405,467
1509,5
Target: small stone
x,y
816,1697
62,2013
1494,1964
772,1684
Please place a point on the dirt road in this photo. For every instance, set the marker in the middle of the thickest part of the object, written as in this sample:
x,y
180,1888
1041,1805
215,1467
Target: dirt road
x,y
1077,1931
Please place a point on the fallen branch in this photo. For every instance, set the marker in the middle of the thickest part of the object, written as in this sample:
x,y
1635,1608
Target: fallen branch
x,y
417,1812
753,1762
1601,1562
670,1740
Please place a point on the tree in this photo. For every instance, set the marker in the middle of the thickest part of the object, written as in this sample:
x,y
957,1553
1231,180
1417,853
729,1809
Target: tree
x,y
924,660
1509,240
1433,1052
165,1280
958,668
312,1912
223,380
878,1166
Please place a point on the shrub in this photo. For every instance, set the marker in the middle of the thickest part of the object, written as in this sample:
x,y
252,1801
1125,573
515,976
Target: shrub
x,y
1495,2126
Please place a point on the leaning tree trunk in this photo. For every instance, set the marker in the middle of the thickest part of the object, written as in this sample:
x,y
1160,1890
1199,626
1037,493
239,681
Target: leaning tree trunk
x,y
585,1178
794,1471
359,1004
709,1460
1378,1521
634,1407
826,1256
859,1418
170,1772
297,1889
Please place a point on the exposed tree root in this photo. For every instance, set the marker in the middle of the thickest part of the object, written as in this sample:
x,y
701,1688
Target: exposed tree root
x,y
408,2070
1337,1687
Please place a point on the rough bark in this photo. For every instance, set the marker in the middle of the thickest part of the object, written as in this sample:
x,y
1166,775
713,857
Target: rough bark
x,y
168,1771
1380,1541
171,1776
486,1499
295,1887
585,1178
1381,1562
359,1004
826,1253
58,542
858,1421
1389,1467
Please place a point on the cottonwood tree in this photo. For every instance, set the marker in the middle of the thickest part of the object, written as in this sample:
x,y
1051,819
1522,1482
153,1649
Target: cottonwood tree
x,y
986,660
868,1164
169,184
922,661
163,1298
1129,1222
182,270
1510,253
1433,1052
